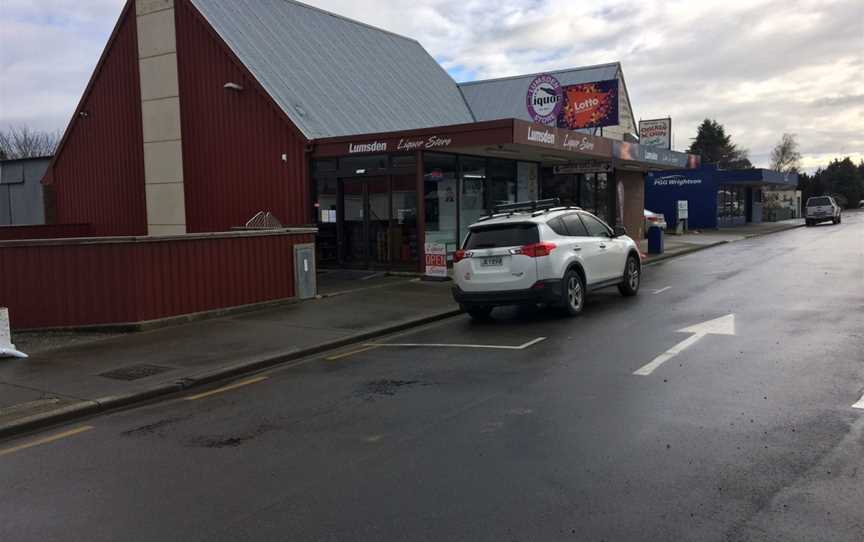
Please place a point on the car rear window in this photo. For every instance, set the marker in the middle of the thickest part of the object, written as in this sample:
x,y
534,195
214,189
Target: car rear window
x,y
505,235
813,202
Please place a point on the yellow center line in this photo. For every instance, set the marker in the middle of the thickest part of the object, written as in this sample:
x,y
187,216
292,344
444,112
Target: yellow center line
x,y
45,440
226,388
351,353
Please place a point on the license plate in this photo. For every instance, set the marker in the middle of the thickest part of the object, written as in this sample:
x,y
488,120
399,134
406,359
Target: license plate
x,y
492,262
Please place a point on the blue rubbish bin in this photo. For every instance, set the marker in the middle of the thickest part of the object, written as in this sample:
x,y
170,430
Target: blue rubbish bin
x,y
655,240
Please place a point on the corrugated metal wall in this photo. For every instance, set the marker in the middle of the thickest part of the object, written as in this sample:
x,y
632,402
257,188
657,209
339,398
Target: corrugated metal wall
x,y
98,174
233,141
44,231
75,283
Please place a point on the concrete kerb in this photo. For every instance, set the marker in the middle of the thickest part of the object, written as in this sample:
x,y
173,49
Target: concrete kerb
x,y
690,250
251,365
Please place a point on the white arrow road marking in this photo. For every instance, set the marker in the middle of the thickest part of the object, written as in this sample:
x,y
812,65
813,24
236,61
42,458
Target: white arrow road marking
x,y
661,290
725,325
439,345
860,403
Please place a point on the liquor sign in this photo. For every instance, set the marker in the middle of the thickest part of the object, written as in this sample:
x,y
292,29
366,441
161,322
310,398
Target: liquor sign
x,y
543,99
589,105
656,133
436,260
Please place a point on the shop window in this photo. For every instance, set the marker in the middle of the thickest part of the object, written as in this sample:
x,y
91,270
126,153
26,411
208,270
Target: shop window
x,y
473,192
324,166
563,187
587,192
361,165
501,181
403,227
440,191
406,161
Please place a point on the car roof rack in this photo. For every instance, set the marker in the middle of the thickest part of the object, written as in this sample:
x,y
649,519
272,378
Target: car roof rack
x,y
533,205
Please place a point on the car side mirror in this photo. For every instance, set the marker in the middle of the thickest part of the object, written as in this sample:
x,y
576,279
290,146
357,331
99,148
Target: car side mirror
x,y
618,231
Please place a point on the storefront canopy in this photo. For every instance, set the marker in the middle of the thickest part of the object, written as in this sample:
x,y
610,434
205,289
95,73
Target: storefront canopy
x,y
511,138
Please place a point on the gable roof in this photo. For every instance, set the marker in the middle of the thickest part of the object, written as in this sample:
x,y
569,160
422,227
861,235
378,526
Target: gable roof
x,y
503,98
333,76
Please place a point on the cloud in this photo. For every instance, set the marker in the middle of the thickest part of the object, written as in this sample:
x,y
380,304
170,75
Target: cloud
x,y
760,67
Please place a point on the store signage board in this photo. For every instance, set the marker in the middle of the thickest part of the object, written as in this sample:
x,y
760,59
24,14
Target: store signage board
x,y
623,150
544,99
590,105
574,107
526,133
587,166
436,260
656,133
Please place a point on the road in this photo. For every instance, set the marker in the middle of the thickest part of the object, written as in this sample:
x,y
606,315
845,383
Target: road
x,y
748,435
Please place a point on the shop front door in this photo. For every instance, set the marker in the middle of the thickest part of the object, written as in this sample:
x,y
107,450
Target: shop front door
x,y
364,229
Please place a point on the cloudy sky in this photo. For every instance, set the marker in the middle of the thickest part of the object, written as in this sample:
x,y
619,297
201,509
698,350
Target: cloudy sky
x,y
760,67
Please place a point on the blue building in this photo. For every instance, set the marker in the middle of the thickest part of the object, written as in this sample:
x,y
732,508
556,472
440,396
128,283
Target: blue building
x,y
715,197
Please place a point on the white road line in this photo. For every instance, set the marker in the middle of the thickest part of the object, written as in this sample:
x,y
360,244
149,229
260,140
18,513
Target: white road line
x,y
725,325
441,345
860,403
661,290
647,369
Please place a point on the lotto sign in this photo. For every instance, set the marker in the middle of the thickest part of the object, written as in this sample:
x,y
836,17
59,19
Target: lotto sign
x,y
436,260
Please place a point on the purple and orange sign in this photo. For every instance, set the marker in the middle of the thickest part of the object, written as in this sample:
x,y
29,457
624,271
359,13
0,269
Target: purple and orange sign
x,y
590,105
586,105
544,99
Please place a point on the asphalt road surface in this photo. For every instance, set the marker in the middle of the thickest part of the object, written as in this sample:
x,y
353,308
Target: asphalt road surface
x,y
746,432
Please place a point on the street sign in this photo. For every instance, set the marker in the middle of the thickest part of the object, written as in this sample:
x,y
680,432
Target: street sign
x,y
436,260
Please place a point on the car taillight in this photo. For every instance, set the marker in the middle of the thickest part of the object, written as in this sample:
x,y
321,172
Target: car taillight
x,y
537,250
652,219
458,256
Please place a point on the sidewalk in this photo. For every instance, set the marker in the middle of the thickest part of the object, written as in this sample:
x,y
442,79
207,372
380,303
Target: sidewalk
x,y
678,245
53,385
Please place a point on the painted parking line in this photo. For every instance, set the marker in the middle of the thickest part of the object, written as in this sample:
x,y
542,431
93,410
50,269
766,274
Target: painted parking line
x,y
860,403
444,345
661,290
226,388
45,440
351,353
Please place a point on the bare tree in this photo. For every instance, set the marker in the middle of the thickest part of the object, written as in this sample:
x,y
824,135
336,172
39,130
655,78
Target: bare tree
x,y
25,142
785,156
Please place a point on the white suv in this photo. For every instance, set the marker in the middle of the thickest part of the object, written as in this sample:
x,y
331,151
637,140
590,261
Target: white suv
x,y
822,208
550,256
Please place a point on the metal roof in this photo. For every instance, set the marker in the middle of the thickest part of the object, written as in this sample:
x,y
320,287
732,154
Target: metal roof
x,y
505,98
334,76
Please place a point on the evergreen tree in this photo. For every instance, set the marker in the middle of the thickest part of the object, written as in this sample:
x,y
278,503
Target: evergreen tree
x,y
716,147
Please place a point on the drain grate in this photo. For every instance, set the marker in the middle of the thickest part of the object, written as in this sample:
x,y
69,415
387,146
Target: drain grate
x,y
134,372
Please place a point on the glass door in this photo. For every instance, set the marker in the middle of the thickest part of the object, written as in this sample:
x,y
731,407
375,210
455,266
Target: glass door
x,y
364,229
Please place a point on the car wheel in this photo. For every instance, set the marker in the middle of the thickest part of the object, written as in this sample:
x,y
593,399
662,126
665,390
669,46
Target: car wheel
x,y
573,293
632,277
840,219
481,313
808,223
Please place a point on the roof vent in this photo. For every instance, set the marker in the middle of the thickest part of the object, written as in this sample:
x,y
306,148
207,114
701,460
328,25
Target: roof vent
x,y
232,86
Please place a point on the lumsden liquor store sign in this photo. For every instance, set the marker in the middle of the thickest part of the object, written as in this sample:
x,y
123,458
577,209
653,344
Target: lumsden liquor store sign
x,y
526,133
507,132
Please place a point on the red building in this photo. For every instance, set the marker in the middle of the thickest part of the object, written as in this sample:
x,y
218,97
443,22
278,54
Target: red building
x,y
201,113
